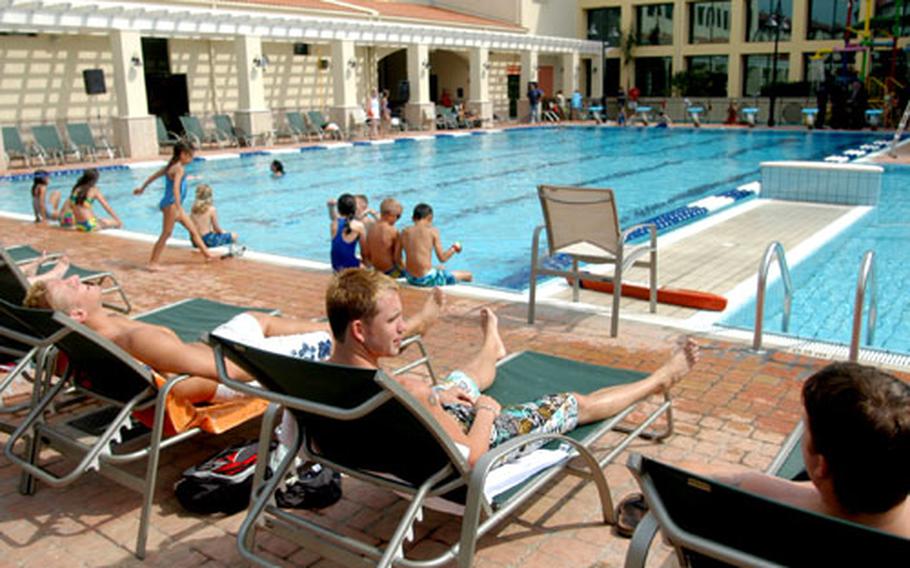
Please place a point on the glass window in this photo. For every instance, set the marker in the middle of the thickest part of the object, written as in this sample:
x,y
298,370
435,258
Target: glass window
x,y
827,18
603,24
707,76
655,24
758,70
761,23
652,75
709,22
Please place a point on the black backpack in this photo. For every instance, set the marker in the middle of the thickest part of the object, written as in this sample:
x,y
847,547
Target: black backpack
x,y
223,483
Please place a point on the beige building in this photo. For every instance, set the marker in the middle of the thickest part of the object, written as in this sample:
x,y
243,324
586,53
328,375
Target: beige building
x,y
254,59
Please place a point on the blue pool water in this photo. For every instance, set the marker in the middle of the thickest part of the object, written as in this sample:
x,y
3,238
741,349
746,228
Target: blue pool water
x,y
825,283
482,188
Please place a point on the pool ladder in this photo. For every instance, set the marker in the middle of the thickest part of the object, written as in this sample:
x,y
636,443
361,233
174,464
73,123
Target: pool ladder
x,y
774,250
864,282
892,151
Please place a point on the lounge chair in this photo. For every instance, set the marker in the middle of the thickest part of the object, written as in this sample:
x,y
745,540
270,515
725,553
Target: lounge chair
x,y
298,125
47,137
446,118
14,284
166,138
359,123
710,523
81,137
103,372
15,149
326,127
197,135
582,225
788,463
237,136
348,416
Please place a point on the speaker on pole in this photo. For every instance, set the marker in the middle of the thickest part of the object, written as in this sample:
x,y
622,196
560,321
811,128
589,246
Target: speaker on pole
x,y
404,90
94,81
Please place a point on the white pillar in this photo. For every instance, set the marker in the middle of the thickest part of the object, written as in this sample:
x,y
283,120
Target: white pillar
x,y
479,93
134,129
344,82
419,111
529,66
597,81
569,73
252,116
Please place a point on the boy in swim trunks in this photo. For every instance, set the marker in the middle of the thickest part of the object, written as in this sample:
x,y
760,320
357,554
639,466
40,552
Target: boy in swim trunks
x,y
418,242
383,245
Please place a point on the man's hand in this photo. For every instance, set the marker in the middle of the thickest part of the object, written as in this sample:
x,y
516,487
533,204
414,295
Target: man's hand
x,y
454,395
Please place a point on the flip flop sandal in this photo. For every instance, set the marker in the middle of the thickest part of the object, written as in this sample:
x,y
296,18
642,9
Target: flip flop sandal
x,y
629,513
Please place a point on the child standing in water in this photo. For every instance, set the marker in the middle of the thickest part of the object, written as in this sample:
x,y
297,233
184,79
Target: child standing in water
x,y
347,231
205,218
171,204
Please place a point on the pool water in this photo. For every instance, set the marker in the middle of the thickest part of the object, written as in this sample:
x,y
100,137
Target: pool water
x,y
824,284
482,188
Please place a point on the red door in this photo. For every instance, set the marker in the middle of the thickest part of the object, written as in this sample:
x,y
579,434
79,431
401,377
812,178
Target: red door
x,y
545,78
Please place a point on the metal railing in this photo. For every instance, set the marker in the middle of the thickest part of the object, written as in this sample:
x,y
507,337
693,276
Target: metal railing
x,y
865,281
774,250
892,151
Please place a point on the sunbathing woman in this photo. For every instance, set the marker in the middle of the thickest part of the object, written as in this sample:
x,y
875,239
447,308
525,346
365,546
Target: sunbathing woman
x,y
78,212
171,204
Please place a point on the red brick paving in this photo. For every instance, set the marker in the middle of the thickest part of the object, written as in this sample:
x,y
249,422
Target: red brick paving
x,y
735,407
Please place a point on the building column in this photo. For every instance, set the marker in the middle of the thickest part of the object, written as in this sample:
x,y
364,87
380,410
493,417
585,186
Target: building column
x,y
735,62
569,83
252,115
344,83
134,129
627,69
3,162
529,66
597,80
420,111
799,27
680,36
479,89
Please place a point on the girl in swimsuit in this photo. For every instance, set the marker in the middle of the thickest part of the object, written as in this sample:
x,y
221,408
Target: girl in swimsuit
x,y
78,211
347,231
171,204
39,193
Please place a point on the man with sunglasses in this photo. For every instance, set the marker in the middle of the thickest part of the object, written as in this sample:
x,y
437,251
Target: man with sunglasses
x,y
383,245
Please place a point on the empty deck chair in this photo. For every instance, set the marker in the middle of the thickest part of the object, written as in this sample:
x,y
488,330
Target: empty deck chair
x,y
299,127
14,284
103,372
710,523
81,137
47,137
582,225
166,138
15,149
347,416
226,129
197,136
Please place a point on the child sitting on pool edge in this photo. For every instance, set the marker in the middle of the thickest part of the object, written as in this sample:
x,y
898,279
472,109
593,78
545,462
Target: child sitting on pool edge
x,y
205,218
419,241
383,245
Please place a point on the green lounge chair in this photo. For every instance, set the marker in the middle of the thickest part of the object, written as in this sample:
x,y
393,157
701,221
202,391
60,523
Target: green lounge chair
x,y
319,121
350,418
788,463
80,135
297,125
194,132
226,129
15,149
47,137
582,224
710,523
103,372
165,137
14,284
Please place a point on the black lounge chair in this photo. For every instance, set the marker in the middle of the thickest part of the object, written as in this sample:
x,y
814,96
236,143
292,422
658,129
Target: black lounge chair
x,y
709,523
346,417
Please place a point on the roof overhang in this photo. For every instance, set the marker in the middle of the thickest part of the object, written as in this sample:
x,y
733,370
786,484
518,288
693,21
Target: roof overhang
x,y
170,20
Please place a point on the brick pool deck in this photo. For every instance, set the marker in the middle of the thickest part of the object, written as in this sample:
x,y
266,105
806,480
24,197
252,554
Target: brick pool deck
x,y
735,407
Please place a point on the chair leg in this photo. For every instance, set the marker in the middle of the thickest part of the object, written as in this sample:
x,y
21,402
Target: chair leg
x,y
644,534
653,295
576,282
151,470
617,296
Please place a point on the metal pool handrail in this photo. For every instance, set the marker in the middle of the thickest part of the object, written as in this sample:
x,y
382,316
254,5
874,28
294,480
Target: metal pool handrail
x,y
865,281
774,250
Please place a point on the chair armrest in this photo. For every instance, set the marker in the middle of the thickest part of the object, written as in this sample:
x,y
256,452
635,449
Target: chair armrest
x,y
650,227
644,534
535,239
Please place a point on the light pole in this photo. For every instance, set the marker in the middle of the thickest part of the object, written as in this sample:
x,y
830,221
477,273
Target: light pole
x,y
776,21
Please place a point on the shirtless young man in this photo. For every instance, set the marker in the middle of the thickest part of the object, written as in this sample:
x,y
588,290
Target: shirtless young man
x,y
364,312
856,448
161,348
419,241
382,248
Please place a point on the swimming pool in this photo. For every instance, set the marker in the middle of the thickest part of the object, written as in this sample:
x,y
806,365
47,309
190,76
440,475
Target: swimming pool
x,y
825,283
482,188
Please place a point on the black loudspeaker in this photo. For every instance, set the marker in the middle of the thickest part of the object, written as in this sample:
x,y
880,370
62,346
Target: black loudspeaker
x,y
323,64
94,81
404,90
301,49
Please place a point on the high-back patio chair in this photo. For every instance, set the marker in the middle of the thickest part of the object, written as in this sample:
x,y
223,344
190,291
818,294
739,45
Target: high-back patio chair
x,y
80,135
166,138
365,424
709,523
16,149
47,137
126,390
224,124
583,227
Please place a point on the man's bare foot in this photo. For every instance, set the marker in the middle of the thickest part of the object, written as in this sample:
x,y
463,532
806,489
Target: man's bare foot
x,y
154,267
433,308
490,325
680,363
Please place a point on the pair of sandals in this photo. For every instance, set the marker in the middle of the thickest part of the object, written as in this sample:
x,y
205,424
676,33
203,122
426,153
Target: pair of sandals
x,y
629,513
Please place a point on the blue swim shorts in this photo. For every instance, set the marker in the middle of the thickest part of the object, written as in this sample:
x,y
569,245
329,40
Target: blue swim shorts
x,y
434,277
